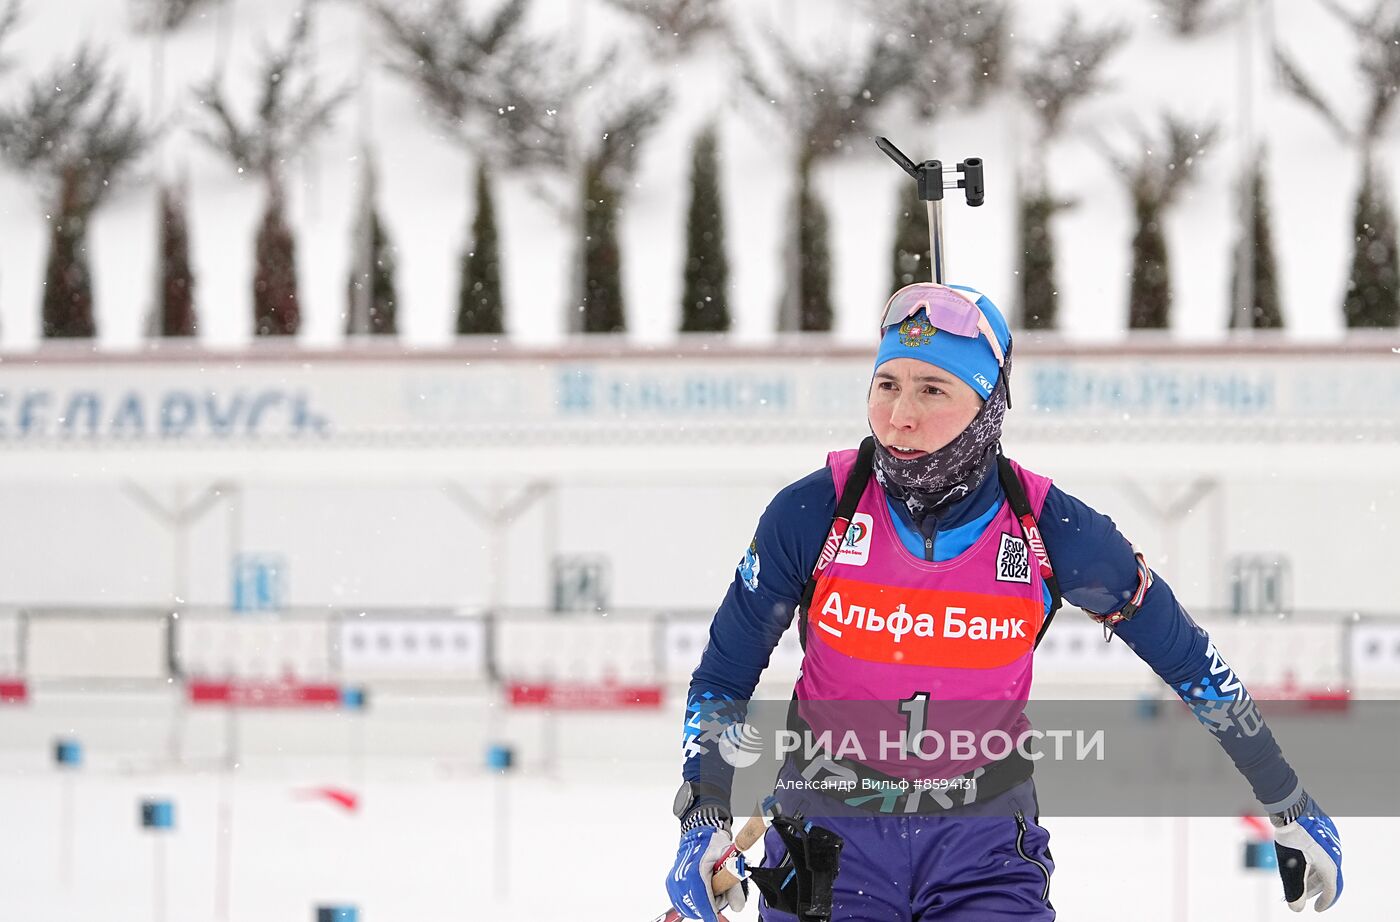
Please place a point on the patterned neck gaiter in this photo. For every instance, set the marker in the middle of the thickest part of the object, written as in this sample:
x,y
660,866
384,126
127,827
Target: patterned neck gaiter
x,y
934,481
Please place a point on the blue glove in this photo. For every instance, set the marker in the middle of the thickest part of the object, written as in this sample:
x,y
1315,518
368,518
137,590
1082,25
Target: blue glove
x,y
1309,855
688,884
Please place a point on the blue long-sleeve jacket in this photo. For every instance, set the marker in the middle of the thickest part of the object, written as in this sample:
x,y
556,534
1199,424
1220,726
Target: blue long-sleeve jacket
x,y
1096,569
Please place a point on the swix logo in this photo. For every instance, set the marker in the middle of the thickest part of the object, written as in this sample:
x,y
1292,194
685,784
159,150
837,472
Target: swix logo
x,y
1032,533
833,543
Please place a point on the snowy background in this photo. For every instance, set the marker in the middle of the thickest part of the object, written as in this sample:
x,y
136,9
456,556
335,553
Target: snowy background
x,y
585,832
424,177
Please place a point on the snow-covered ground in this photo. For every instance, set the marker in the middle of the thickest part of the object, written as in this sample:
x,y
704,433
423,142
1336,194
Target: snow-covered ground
x,y
590,844
442,839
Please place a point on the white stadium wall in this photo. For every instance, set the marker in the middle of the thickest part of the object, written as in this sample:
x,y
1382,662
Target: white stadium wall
x,y
456,479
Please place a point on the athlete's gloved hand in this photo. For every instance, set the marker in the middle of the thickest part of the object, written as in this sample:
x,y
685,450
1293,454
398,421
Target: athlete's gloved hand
x,y
688,884
1309,855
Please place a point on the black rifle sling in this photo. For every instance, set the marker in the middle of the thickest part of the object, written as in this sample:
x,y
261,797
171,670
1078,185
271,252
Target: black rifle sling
x,y
851,493
1030,531
1003,774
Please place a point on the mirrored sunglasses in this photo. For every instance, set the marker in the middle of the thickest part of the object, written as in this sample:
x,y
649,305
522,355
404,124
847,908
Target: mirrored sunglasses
x,y
948,309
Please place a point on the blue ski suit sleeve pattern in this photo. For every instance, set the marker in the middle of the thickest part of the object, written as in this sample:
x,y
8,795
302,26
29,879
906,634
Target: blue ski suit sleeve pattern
x,y
1097,572
757,609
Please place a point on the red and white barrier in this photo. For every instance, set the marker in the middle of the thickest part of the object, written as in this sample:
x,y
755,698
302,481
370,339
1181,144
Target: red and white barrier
x,y
584,696
288,694
13,691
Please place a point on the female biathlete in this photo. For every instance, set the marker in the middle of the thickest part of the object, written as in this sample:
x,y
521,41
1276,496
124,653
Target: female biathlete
x,y
916,569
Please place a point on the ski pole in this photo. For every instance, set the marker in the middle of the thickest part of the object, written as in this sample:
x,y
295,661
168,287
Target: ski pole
x,y
728,871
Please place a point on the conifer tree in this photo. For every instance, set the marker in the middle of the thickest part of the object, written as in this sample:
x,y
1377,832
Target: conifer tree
x,y
175,312
1059,75
1373,292
1150,288
1154,181
823,100
1255,304
602,307
705,299
454,63
814,271
75,132
489,89
276,309
291,111
942,58
371,299
806,305
384,303
9,16
911,262
67,310
606,170
376,287
480,307
1039,296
